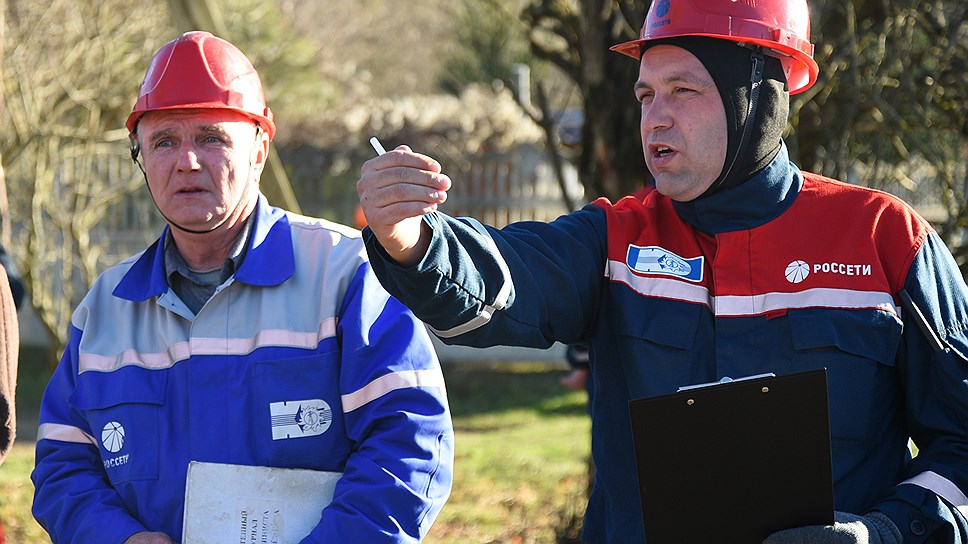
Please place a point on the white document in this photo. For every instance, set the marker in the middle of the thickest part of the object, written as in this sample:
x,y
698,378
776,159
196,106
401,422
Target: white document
x,y
237,504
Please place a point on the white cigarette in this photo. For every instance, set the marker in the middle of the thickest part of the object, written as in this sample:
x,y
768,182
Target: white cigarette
x,y
377,146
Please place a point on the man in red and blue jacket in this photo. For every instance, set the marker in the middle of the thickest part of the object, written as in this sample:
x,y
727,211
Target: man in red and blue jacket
x,y
738,264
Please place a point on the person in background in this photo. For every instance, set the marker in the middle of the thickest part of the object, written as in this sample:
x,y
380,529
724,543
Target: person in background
x,y
11,296
9,354
244,335
740,263
577,378
16,285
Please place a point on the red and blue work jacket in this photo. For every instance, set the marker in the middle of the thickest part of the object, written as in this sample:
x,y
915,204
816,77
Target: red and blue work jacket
x,y
785,273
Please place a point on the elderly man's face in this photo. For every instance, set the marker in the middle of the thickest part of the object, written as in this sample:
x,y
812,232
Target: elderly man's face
x,y
202,165
683,122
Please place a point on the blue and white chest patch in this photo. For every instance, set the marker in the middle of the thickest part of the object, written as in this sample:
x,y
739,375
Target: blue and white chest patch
x,y
657,260
299,418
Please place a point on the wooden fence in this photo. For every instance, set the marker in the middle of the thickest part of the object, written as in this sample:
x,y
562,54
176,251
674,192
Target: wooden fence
x,y
498,189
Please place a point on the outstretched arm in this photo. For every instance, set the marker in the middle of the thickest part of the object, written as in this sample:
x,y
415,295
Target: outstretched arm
x,y
396,190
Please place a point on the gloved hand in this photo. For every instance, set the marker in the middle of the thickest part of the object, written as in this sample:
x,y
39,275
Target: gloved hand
x,y
874,528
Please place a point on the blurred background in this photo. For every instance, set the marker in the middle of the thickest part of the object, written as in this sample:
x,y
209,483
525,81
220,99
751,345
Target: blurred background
x,y
522,103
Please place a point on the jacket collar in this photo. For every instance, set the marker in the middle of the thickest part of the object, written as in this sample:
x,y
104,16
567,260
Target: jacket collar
x,y
269,259
750,204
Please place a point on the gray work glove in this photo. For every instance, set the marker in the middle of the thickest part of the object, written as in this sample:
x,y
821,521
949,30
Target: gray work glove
x,y
874,528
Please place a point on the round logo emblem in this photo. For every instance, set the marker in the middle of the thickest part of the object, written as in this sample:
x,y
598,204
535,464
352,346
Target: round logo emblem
x,y
662,9
797,271
314,418
112,436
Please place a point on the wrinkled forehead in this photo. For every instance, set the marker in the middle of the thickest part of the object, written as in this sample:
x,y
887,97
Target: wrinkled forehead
x,y
228,120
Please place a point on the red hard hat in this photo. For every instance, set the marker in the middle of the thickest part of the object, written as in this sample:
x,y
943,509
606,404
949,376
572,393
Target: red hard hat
x,y
200,71
781,27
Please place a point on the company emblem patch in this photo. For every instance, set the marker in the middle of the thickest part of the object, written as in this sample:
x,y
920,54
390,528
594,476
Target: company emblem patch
x,y
112,436
299,418
657,260
797,271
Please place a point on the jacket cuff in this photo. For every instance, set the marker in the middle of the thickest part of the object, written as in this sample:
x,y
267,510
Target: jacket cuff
x,y
922,517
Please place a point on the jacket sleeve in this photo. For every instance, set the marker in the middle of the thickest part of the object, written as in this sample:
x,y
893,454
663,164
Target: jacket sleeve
x,y
399,471
466,286
928,505
73,498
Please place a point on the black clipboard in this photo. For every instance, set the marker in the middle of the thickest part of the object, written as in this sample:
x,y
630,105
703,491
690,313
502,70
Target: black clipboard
x,y
734,462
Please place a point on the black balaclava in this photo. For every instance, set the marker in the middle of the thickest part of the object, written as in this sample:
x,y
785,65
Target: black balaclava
x,y
731,67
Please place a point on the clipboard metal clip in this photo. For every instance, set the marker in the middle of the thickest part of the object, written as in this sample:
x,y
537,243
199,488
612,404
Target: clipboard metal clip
x,y
725,379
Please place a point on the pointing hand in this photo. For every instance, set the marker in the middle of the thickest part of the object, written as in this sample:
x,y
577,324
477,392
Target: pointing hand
x,y
396,190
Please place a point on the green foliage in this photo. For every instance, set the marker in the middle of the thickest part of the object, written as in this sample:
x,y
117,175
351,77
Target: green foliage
x,y
888,70
287,62
491,42
70,75
574,37
890,109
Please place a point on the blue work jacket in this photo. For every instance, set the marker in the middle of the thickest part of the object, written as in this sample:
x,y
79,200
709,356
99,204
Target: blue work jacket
x,y
299,360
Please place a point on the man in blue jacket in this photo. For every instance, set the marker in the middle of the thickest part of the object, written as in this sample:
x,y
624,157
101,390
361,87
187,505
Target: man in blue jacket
x,y
244,335
738,264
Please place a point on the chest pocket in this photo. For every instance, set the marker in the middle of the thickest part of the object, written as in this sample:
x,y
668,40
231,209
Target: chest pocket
x,y
658,351
297,414
123,409
858,348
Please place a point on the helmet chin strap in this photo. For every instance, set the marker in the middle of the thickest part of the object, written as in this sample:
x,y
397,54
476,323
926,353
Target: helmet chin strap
x,y
135,148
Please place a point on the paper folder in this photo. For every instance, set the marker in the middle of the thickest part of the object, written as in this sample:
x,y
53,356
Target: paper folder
x,y
251,505
734,462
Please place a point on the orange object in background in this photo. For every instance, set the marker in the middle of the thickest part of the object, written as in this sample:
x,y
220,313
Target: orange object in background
x,y
359,221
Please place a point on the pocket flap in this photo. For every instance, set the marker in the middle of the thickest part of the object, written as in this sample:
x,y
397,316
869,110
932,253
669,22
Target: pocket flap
x,y
660,321
873,334
97,390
